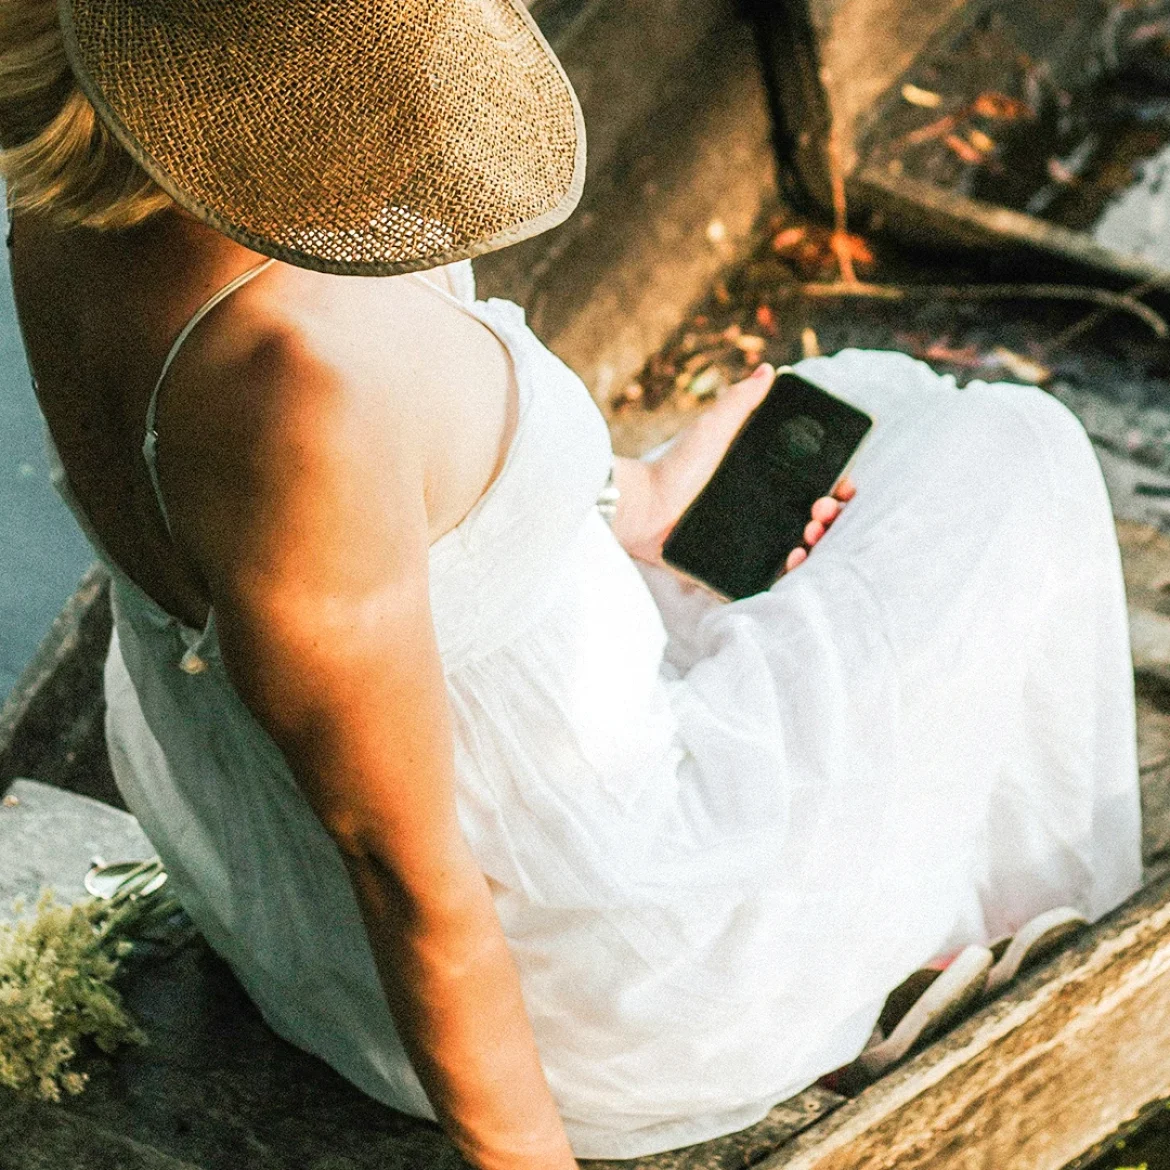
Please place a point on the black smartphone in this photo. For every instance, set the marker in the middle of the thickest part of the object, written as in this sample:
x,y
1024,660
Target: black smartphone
x,y
792,450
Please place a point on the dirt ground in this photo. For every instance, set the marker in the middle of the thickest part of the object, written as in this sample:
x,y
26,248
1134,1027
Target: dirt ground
x,y
785,300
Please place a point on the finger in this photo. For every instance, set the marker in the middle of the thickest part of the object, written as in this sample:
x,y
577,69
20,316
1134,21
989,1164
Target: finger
x,y
796,557
813,531
764,372
739,400
826,510
758,382
845,490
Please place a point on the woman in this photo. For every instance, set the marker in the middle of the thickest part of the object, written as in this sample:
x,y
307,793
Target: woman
x,y
512,830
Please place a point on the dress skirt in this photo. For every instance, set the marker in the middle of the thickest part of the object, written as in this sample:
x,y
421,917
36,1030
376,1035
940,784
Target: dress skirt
x,y
717,833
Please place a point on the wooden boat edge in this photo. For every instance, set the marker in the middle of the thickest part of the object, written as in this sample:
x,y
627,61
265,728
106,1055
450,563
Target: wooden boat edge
x,y
1081,1040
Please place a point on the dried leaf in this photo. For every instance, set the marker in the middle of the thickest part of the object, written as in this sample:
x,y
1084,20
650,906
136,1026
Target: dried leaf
x,y
710,381
925,99
693,364
1059,173
765,318
749,343
1022,368
810,346
931,130
992,104
982,142
968,356
1152,31
784,241
962,148
859,249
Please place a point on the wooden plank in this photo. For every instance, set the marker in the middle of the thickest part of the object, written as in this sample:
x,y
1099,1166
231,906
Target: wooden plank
x,y
839,63
51,724
36,1136
1035,1078
1154,761
1145,557
627,59
738,1150
865,46
828,63
927,214
607,287
790,61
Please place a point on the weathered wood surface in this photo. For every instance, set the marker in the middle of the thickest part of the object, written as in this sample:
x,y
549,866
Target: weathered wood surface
x,y
865,46
826,63
1035,1078
679,138
34,1136
1145,553
739,1150
51,723
835,67
920,211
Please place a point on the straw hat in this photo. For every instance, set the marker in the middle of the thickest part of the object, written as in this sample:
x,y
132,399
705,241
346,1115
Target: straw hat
x,y
365,137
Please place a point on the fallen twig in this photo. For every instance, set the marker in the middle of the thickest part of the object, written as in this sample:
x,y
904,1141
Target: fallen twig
x,y
1098,315
840,238
1109,301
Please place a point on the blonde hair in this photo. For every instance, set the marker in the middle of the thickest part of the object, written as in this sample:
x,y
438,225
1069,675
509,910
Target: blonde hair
x,y
56,155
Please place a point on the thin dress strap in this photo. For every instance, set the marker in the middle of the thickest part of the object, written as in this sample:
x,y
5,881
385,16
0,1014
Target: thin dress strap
x,y
150,443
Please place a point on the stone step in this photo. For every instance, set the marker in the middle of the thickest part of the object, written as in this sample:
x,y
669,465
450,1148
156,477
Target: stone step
x,y
49,838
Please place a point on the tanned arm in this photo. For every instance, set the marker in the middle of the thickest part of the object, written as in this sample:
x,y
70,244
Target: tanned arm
x,y
312,535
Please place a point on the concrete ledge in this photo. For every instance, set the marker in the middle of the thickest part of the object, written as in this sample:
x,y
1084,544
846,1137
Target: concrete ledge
x,y
49,837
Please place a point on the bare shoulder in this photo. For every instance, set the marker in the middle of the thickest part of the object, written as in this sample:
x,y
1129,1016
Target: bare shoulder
x,y
293,437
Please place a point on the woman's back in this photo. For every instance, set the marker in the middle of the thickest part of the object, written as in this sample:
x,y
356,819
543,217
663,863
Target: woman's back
x,y
122,298
551,650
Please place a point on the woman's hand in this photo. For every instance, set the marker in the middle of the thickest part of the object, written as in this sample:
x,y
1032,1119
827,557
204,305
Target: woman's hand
x,y
655,495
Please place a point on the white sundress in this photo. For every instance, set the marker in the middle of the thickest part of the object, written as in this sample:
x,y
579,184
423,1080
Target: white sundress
x,y
717,833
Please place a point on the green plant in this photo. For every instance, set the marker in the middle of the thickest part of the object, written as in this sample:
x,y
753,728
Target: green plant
x,y
56,973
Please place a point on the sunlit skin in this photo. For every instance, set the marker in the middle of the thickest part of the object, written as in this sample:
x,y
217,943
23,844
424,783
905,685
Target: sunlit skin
x,y
317,434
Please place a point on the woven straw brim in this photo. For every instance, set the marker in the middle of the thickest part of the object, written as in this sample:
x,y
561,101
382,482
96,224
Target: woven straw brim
x,y
360,137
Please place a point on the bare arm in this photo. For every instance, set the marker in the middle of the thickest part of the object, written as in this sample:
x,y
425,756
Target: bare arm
x,y
316,561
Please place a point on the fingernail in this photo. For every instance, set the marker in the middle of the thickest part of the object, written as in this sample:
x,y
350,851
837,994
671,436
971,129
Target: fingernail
x,y
761,370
